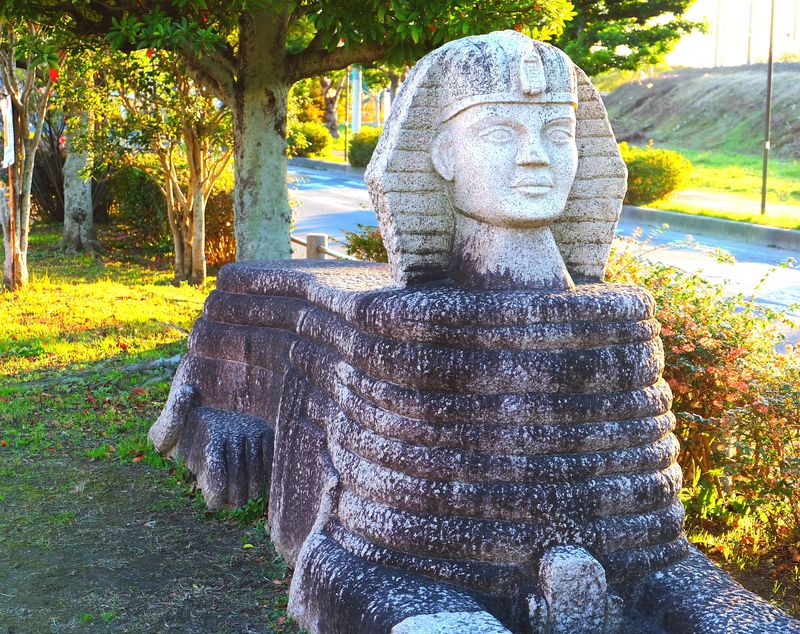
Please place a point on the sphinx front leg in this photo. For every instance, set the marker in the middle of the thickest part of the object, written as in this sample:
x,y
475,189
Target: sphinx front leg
x,y
229,453
335,592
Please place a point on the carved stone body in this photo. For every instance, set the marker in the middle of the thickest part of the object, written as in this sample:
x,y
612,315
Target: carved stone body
x,y
475,438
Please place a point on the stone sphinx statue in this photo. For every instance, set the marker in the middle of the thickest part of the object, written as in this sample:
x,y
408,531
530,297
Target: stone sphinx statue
x,y
475,438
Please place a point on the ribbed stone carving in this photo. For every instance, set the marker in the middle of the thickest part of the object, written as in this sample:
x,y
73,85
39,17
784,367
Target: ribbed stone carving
x,y
475,438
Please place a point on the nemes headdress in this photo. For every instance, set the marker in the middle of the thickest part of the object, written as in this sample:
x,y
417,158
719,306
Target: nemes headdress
x,y
412,200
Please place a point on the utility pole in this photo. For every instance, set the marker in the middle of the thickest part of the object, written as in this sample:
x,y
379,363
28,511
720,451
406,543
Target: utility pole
x,y
717,54
768,115
750,34
346,108
794,35
355,116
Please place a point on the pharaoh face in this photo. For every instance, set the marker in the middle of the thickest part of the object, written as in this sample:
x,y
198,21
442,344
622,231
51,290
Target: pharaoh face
x,y
511,164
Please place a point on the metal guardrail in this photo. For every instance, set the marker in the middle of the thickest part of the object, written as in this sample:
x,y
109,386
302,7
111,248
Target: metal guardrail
x,y
316,245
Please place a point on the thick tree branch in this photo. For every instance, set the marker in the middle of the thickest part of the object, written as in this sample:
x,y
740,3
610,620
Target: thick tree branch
x,y
309,62
214,69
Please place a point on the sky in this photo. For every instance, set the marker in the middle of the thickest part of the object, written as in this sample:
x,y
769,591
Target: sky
x,y
732,24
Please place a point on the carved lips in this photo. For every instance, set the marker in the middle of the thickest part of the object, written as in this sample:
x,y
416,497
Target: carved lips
x,y
533,185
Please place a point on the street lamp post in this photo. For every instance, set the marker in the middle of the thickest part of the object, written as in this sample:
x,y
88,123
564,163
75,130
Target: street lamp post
x,y
768,114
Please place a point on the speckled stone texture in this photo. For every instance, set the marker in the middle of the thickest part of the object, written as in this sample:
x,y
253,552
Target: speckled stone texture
x,y
488,446
432,446
424,184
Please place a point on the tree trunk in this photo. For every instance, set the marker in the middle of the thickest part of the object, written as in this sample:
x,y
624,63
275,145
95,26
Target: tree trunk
x,y
394,84
19,263
198,274
78,219
195,158
330,96
174,226
331,115
261,200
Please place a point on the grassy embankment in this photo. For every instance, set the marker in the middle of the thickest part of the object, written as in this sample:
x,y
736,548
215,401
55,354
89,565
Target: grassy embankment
x,y
110,531
739,176
715,116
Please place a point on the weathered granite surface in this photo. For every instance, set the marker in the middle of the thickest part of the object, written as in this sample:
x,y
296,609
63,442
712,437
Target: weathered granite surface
x,y
476,437
418,472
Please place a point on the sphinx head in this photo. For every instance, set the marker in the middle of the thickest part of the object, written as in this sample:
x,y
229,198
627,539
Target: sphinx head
x,y
491,133
507,145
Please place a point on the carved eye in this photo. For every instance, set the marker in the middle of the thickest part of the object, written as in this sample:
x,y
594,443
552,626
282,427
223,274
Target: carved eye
x,y
559,136
498,134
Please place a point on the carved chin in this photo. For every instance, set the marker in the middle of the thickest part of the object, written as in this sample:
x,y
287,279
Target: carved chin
x,y
518,216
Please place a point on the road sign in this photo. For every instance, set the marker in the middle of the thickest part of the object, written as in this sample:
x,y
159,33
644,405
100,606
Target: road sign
x,y
8,132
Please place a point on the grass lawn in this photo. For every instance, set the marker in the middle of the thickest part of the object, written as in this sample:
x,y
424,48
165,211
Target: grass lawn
x,y
108,532
740,176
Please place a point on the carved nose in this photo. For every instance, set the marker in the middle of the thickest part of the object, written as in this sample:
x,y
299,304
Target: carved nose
x,y
532,153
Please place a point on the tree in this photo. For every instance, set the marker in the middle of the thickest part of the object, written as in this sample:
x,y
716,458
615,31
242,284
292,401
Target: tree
x,y
28,61
624,35
249,53
332,85
79,233
152,116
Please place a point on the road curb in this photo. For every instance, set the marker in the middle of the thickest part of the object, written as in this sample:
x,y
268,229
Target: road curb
x,y
788,239
326,166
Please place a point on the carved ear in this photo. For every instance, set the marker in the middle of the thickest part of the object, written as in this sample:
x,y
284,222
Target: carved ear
x,y
442,155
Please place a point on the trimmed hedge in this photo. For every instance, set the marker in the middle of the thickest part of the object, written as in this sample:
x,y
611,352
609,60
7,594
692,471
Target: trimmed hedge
x,y
309,138
362,146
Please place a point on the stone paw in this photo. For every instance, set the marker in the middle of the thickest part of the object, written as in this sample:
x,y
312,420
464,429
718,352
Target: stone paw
x,y
166,431
229,453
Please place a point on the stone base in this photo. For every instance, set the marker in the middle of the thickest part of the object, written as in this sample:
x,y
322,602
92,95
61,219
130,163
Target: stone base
x,y
449,460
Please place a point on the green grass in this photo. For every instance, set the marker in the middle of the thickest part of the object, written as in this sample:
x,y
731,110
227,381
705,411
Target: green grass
x,y
73,434
780,219
739,175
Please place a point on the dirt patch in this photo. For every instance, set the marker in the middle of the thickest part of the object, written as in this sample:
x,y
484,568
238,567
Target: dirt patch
x,y
104,547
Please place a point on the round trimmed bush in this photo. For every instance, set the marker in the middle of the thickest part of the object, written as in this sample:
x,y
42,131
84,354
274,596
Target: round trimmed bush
x,y
653,173
362,146
316,139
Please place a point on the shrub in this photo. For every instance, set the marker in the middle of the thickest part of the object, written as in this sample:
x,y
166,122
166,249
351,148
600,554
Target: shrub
x,y
737,405
309,138
139,207
653,173
366,244
220,241
362,146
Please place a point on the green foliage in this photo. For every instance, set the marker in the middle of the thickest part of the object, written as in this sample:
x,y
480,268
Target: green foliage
x,y
397,32
362,146
220,240
308,138
736,400
366,244
138,206
304,102
653,173
624,35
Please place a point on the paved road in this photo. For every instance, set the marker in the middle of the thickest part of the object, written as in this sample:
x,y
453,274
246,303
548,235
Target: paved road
x,y
334,202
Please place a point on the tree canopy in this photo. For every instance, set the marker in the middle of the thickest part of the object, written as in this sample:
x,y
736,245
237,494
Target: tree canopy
x,y
623,34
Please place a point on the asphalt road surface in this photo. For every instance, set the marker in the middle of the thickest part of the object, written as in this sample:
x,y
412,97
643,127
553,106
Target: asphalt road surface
x,y
334,202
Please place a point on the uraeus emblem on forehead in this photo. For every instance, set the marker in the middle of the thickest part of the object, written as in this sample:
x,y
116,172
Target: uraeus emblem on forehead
x,y
511,71
531,74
